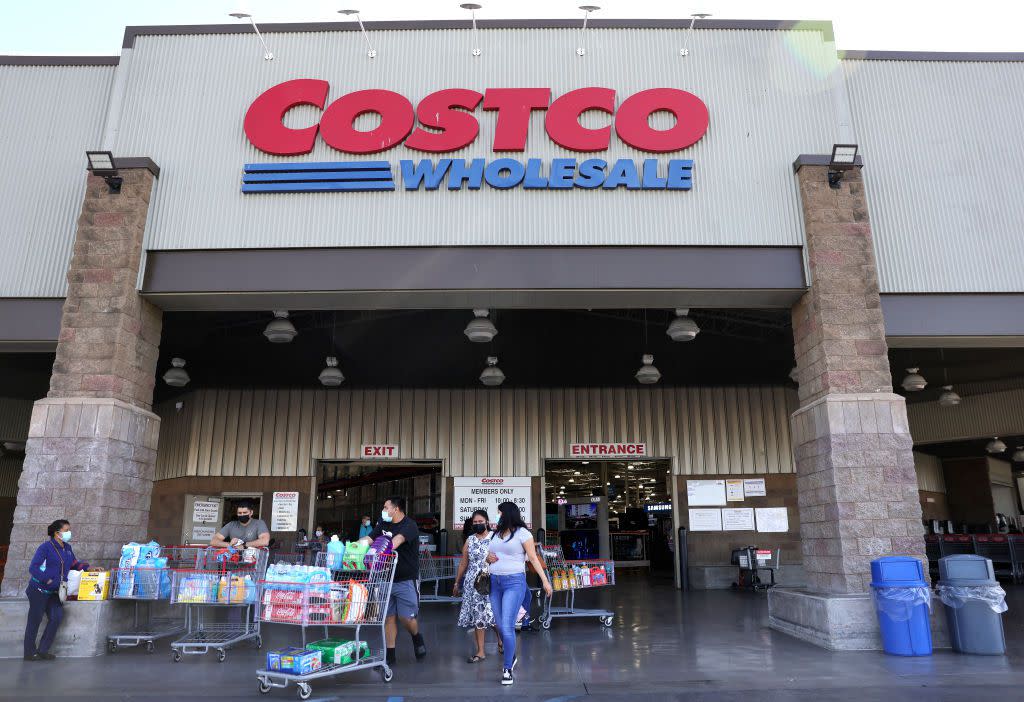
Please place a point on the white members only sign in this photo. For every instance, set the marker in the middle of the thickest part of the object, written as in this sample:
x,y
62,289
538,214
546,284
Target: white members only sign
x,y
487,493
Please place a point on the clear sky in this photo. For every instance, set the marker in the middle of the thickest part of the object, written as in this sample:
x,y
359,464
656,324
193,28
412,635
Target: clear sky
x,y
96,26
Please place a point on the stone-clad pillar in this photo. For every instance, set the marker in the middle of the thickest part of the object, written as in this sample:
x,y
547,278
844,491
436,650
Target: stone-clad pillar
x,y
856,483
91,448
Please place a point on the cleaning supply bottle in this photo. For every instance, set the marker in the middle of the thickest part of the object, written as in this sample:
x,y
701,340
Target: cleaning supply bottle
x,y
335,552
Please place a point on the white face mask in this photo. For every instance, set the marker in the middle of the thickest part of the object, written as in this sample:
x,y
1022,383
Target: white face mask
x,y
319,534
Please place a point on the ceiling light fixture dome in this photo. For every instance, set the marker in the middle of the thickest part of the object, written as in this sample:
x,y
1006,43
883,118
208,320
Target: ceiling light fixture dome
x,y
648,373
914,381
331,376
177,376
492,375
948,398
280,330
682,327
1018,455
995,446
480,330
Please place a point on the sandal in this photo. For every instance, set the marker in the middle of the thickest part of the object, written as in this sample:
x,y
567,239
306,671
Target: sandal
x,y
476,659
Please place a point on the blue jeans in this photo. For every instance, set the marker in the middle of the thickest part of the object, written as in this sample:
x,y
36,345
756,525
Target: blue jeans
x,y
507,593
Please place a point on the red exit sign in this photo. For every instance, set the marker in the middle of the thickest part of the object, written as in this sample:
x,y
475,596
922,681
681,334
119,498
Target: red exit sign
x,y
378,451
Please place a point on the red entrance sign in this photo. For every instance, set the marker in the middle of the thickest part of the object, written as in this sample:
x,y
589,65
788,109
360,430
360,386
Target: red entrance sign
x,y
447,121
378,451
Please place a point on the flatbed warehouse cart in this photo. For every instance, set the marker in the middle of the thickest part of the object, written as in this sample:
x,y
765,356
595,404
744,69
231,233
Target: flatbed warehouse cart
x,y
354,599
566,578
146,585
219,583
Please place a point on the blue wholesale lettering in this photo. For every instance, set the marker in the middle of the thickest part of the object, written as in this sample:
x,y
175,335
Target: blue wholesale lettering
x,y
562,174
463,174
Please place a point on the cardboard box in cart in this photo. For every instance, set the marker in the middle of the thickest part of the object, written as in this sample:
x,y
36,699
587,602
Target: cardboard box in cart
x,y
297,661
94,586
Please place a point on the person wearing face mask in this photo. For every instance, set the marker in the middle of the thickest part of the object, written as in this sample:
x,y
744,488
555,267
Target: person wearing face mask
x,y
404,603
49,567
242,532
476,613
365,528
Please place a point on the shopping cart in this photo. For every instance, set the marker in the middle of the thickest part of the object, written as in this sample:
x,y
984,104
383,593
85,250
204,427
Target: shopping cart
x,y
224,579
567,577
438,571
354,599
147,585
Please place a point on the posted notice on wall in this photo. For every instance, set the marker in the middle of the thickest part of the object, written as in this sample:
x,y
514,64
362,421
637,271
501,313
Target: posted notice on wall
x,y
705,493
772,519
738,519
204,512
284,515
202,534
734,490
754,487
705,520
472,494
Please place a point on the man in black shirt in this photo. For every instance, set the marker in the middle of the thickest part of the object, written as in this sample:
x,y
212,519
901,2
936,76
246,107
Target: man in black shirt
x,y
405,602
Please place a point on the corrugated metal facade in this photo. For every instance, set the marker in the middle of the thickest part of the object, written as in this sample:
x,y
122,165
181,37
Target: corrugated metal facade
x,y
49,116
15,415
187,96
510,432
929,473
944,193
10,473
991,414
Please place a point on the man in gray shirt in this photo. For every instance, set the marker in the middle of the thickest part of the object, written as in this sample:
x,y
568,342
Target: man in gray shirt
x,y
243,532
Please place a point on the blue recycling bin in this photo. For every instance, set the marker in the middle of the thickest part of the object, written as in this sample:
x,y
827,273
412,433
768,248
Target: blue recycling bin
x,y
903,602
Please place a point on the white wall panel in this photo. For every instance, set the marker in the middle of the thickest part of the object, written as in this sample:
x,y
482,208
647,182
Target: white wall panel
x,y
476,432
767,91
941,142
49,116
989,414
929,473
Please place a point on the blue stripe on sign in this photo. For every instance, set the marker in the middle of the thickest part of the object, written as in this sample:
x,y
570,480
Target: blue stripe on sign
x,y
308,177
333,186
294,167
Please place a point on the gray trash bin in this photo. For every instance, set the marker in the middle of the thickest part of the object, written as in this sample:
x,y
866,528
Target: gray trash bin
x,y
974,604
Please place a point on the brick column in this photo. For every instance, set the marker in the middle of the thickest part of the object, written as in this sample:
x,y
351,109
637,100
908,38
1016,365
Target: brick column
x,y
91,448
856,484
855,467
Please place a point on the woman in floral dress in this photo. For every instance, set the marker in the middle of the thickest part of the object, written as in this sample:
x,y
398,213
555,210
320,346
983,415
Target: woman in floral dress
x,y
476,608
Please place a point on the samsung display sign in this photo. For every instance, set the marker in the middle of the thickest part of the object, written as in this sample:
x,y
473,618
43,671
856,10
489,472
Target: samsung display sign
x,y
444,122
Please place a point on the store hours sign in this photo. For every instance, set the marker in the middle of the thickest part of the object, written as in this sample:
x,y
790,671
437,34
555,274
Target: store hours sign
x,y
472,494
445,122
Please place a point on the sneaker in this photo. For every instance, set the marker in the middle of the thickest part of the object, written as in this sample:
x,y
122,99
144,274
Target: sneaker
x,y
419,647
506,677
47,656
33,657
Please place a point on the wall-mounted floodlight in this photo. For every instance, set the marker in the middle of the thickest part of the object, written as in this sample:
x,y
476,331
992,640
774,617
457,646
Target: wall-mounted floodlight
x,y
370,51
473,7
101,163
689,32
267,54
587,9
844,158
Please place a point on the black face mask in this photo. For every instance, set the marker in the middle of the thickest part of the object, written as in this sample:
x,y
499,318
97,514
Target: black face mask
x,y
479,528
244,519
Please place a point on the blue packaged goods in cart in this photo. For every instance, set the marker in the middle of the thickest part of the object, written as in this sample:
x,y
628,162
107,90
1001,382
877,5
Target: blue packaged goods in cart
x,y
297,661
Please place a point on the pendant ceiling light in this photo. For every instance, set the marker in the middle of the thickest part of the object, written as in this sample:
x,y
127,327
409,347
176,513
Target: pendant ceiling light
x,y
1018,455
280,330
176,376
331,376
648,374
682,327
948,398
492,375
914,381
793,375
481,330
995,446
